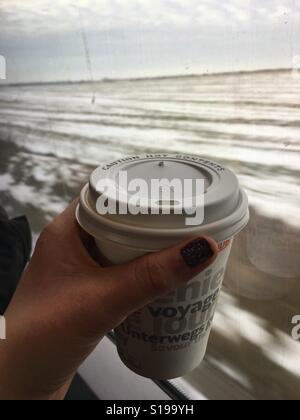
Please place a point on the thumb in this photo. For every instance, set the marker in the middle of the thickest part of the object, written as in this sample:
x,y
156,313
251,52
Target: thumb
x,y
142,281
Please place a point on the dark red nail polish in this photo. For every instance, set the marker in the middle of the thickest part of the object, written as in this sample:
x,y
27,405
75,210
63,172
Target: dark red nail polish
x,y
197,252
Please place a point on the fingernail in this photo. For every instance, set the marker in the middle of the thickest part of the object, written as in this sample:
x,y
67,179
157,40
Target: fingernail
x,y
197,252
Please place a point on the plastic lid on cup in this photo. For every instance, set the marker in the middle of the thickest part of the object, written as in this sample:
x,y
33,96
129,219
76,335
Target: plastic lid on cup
x,y
225,203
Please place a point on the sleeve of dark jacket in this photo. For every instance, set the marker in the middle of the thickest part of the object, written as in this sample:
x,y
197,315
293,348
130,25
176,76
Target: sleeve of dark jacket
x,y
15,249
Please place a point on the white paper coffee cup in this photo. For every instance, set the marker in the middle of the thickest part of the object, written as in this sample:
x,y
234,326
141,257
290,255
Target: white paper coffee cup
x,y
169,337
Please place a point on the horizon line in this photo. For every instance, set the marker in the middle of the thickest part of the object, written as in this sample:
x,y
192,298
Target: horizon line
x,y
137,79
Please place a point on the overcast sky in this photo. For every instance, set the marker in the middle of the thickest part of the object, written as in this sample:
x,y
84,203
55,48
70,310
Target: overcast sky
x,y
42,39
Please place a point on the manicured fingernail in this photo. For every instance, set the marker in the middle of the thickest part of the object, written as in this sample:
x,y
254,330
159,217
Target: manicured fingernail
x,y
197,252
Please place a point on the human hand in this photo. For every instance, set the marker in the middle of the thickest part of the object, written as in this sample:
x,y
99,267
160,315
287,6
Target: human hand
x,y
66,302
